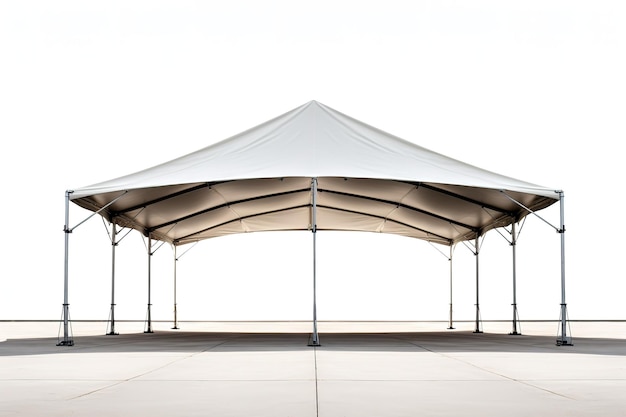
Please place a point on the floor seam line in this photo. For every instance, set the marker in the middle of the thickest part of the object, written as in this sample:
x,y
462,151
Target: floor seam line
x,y
148,372
489,371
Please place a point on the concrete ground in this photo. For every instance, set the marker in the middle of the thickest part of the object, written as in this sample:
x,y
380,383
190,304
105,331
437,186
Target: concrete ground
x,y
268,369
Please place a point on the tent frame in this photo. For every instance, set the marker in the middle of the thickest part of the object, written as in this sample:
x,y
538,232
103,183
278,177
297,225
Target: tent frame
x,y
315,168
563,336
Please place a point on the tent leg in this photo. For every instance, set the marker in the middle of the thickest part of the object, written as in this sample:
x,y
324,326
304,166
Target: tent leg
x,y
175,310
514,331
478,327
67,336
148,328
451,325
563,339
315,341
112,315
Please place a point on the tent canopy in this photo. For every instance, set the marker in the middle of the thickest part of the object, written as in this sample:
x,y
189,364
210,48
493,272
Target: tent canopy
x,y
266,179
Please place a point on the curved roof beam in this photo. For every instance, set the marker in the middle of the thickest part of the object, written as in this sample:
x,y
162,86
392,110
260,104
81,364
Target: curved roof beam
x,y
227,204
464,198
398,204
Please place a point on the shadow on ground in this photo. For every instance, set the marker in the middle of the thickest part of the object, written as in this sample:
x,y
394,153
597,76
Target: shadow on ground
x,y
181,341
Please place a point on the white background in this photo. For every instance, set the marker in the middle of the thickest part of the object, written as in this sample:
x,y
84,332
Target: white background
x,y
90,91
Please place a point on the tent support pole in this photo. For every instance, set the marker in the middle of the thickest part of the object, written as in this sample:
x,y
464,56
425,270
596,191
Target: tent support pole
x,y
149,315
68,340
176,258
515,314
315,341
175,310
451,325
563,339
113,246
477,328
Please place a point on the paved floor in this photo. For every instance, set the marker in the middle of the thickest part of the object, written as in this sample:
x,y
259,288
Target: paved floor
x,y
254,372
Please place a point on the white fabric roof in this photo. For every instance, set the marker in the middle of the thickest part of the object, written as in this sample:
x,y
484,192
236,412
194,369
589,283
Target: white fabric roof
x,y
260,180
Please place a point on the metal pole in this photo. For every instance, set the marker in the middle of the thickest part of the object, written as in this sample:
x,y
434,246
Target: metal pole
x,y
477,328
450,327
67,338
175,311
315,338
113,245
563,339
513,245
149,317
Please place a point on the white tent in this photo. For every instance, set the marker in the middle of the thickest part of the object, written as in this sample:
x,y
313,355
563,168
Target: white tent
x,y
314,168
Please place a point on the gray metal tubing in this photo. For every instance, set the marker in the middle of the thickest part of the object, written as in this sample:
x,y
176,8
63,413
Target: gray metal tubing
x,y
149,324
513,246
564,339
113,245
315,341
451,324
67,340
477,253
175,285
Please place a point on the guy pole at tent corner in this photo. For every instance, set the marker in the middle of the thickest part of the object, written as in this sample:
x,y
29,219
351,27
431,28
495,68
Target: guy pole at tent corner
x,y
68,339
563,339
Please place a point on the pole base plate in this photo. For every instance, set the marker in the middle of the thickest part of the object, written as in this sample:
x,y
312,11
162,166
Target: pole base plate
x,y
567,341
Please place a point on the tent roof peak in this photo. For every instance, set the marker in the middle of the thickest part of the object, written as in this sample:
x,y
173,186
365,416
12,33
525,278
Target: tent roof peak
x,y
316,141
